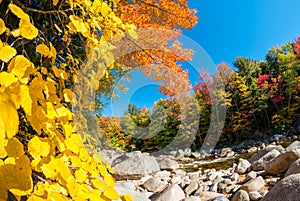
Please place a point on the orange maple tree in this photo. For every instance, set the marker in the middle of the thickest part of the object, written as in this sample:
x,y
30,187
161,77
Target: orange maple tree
x,y
156,52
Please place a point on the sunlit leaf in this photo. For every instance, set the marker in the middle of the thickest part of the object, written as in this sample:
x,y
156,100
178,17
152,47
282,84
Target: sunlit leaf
x,y
55,2
81,175
8,115
43,50
17,174
127,197
26,101
21,67
27,30
14,148
18,12
38,147
7,53
111,193
7,79
2,26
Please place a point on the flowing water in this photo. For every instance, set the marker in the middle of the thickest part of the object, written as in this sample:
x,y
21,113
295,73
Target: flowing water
x,y
217,163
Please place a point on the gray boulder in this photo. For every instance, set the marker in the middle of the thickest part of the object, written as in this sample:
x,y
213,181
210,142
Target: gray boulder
x,y
293,169
293,146
261,163
281,163
243,166
155,184
168,164
240,195
134,166
219,198
123,187
172,192
255,184
262,152
287,189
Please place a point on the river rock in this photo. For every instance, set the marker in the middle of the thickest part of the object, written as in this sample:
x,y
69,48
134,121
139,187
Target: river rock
x,y
155,184
261,163
219,198
262,152
287,189
250,175
254,195
192,187
206,195
293,146
192,198
128,188
255,184
134,166
243,166
294,168
240,195
172,192
281,163
168,164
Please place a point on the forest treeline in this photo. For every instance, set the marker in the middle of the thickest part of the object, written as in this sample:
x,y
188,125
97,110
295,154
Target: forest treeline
x,y
261,97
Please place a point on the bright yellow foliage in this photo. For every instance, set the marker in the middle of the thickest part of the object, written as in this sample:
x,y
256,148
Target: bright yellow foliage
x,y
34,97
7,52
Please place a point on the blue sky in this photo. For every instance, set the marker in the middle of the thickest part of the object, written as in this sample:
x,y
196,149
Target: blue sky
x,y
225,30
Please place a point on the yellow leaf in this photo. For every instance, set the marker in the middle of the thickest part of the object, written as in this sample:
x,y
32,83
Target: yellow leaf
x,y
18,12
111,193
27,30
74,143
95,195
43,50
109,180
98,184
7,52
14,148
3,142
33,197
68,94
16,32
50,113
21,67
8,115
76,162
17,174
56,197
78,24
53,53
105,9
57,188
64,112
55,2
72,186
83,154
81,175
38,147
50,169
7,79
26,100
2,26
127,197
39,189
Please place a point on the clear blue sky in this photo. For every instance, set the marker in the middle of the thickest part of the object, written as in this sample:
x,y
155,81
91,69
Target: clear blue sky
x,y
231,28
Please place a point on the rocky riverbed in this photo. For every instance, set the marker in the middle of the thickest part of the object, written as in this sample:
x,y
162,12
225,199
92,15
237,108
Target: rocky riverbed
x,y
265,172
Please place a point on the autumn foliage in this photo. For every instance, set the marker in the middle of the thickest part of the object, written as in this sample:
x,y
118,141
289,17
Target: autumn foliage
x,y
44,154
